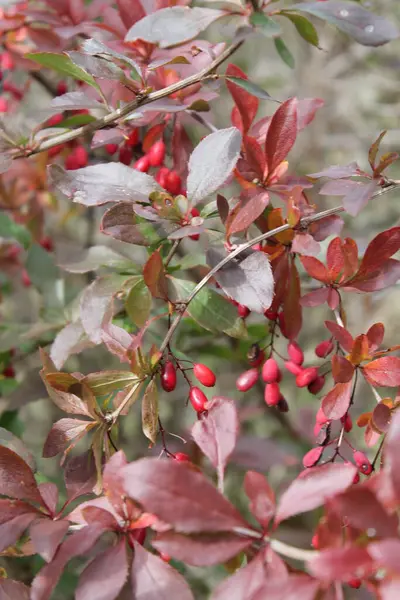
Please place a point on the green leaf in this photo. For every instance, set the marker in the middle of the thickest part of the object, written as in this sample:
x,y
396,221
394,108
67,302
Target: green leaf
x,y
62,64
284,52
266,26
10,229
150,412
76,121
40,266
138,303
210,309
304,27
252,88
106,382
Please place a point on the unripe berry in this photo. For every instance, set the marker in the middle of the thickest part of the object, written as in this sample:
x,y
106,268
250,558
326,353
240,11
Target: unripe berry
x,y
161,177
198,399
362,462
173,183
347,422
272,394
168,376
324,348
354,583
308,375
295,353
316,386
111,148
293,368
204,375
9,372
125,155
143,164
62,88
270,372
247,380
243,311
156,154
181,457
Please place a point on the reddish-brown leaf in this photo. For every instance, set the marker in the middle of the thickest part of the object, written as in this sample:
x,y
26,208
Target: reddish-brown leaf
x,y
381,417
182,148
281,134
251,206
315,268
246,104
387,275
375,336
255,157
216,433
63,433
387,552
13,590
105,575
382,247
154,579
154,276
16,478
385,161
261,496
313,487
315,298
342,369
203,549
130,11
179,496
292,308
80,475
113,481
47,535
374,149
336,403
340,334
383,371
341,563
245,582
11,531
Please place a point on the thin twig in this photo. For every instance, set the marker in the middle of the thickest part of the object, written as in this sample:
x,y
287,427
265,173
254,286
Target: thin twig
x,y
172,252
203,75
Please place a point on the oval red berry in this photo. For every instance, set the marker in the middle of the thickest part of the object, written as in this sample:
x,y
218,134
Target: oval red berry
x,y
204,375
272,394
168,377
247,380
306,377
198,399
270,371
295,353
156,154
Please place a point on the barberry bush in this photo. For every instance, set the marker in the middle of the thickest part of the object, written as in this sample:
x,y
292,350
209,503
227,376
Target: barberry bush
x,y
219,411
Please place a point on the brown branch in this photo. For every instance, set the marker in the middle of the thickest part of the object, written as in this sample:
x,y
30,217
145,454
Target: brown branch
x,y
114,116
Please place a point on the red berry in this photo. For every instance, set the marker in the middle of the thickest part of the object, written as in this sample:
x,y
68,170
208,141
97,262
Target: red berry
x,y
161,177
133,138
272,394
247,380
295,353
316,386
195,237
173,183
125,155
47,244
181,457
111,148
312,457
354,583
308,375
282,405
293,367
198,399
362,462
168,376
324,348
55,150
81,156
143,164
195,212
347,422
156,154
55,120
356,478
243,311
272,315
3,105
71,164
270,372
204,375
26,280
62,88
9,372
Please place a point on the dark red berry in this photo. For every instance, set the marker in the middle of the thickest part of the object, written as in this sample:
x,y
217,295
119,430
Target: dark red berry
x,y
204,375
293,367
47,244
62,88
198,399
324,348
133,138
272,315
181,457
143,164
125,155
9,372
316,386
247,380
362,462
295,353
272,394
111,148
354,583
81,156
156,154
308,375
161,177
168,376
243,311
270,372
173,183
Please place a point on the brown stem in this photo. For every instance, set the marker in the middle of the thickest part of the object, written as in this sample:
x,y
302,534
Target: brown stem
x,y
141,100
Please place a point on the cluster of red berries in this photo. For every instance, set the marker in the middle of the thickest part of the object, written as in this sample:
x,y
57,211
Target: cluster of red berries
x,y
197,397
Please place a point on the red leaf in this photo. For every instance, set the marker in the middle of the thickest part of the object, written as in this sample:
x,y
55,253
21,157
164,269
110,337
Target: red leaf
x,y
77,544
281,134
261,496
80,475
247,105
62,433
313,487
375,336
11,531
342,259
216,433
154,276
180,496
387,553
382,247
182,148
13,590
130,11
340,334
337,172
292,309
306,110
358,197
315,268
315,298
342,369
305,244
322,229
296,587
386,276
154,579
113,480
105,576
381,417
361,509
47,535
341,563
16,478
312,457
383,371
252,205
336,403
255,157
201,550
392,455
